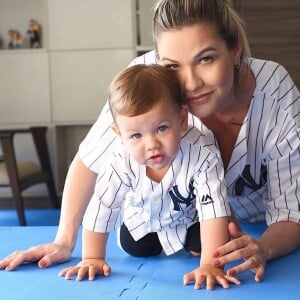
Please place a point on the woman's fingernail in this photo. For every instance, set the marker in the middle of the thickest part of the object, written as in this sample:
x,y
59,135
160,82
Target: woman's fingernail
x,y
216,263
216,254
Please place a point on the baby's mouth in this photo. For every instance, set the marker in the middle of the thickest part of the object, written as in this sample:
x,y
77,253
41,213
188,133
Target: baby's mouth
x,y
156,158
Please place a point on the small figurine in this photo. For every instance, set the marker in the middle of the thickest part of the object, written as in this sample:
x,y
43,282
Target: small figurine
x,y
34,33
16,39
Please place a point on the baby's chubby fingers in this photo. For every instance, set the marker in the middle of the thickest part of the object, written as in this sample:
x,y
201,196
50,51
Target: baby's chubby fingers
x,y
93,271
188,277
69,272
191,277
232,279
82,271
106,270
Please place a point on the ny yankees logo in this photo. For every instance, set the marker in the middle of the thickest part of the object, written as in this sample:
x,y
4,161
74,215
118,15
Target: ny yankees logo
x,y
179,200
246,180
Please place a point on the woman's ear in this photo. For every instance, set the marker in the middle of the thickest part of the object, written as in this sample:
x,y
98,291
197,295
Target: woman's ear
x,y
184,117
237,52
116,130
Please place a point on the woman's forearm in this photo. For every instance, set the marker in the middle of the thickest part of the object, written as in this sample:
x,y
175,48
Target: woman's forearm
x,y
280,239
79,187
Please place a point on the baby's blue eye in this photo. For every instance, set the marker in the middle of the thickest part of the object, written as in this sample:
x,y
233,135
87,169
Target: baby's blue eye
x,y
136,136
162,128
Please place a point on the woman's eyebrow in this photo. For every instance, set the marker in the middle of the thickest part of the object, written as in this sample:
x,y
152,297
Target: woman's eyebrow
x,y
203,51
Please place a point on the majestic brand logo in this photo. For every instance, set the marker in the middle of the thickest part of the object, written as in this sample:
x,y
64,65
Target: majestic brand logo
x,y
206,200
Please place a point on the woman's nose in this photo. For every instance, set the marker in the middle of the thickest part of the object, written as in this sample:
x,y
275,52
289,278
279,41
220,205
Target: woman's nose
x,y
191,80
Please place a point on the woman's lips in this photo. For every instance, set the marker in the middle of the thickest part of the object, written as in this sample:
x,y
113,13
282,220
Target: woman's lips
x,y
199,99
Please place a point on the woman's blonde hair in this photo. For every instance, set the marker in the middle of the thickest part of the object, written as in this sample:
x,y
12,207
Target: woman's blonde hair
x,y
136,89
175,14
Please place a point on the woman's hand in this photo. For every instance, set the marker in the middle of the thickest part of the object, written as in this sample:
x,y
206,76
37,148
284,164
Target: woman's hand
x,y
45,254
89,267
209,275
242,246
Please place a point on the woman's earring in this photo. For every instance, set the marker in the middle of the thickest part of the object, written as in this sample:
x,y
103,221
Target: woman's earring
x,y
238,65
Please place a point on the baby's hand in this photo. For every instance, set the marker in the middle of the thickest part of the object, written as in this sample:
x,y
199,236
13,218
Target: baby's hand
x,y
89,267
209,275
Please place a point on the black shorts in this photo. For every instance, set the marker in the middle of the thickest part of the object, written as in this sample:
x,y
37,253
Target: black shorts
x,y
150,245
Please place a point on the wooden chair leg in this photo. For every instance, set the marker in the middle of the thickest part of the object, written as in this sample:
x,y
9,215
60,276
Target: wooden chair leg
x,y
39,138
52,193
19,204
12,170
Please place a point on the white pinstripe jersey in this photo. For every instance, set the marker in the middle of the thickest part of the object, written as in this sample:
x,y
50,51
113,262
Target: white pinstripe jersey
x,y
194,183
263,174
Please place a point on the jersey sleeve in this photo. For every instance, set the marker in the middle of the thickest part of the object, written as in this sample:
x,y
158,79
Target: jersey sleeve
x,y
210,187
274,80
105,210
282,157
287,94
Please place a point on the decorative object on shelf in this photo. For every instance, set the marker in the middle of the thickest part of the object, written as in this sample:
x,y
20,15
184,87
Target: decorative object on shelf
x,y
34,32
15,39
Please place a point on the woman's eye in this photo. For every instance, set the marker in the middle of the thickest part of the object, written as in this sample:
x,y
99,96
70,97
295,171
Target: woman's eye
x,y
162,128
204,60
172,67
136,136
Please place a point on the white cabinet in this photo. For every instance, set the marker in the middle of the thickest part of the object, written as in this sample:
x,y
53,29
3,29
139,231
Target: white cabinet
x,y
85,44
64,84
144,28
79,81
24,87
91,24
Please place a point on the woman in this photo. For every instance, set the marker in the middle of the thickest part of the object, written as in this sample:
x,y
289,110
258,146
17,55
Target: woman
x,y
248,107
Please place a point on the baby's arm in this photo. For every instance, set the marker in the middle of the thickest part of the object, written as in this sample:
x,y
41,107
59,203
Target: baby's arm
x,y
214,232
93,257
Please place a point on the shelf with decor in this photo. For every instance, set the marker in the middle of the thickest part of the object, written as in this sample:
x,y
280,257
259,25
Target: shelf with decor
x,y
63,84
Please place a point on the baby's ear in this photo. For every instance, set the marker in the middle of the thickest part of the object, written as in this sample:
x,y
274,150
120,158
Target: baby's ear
x,y
116,130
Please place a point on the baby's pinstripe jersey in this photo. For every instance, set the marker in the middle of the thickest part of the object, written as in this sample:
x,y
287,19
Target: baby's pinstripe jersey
x,y
263,174
194,183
